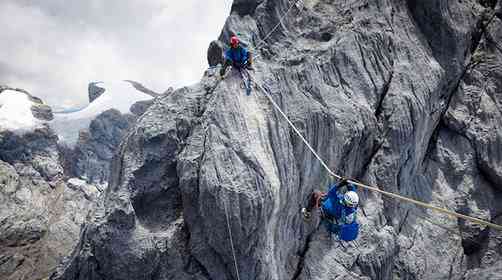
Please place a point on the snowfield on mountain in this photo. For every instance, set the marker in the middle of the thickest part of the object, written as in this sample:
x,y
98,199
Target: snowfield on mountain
x,y
119,95
15,112
208,183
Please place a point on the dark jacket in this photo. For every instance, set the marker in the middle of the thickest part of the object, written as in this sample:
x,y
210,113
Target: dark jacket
x,y
333,206
237,56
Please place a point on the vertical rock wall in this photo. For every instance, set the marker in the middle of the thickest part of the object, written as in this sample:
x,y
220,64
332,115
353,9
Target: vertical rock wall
x,y
400,94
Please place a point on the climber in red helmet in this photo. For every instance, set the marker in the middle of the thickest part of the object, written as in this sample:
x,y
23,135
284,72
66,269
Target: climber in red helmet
x,y
237,56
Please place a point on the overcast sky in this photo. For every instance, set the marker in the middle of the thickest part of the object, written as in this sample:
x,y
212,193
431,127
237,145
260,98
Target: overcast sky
x,y
53,48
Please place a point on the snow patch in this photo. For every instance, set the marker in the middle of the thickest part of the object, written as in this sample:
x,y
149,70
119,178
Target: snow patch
x,y
15,112
119,95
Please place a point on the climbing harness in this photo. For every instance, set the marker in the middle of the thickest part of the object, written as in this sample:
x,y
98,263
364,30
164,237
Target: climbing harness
x,y
372,188
364,186
250,80
342,227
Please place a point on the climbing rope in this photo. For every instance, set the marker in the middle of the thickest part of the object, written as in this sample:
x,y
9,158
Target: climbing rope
x,y
445,228
372,188
249,75
321,161
364,186
231,240
294,3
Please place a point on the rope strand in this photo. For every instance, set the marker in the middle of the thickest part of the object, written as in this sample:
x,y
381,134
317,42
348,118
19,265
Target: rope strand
x,y
277,25
231,240
372,188
249,75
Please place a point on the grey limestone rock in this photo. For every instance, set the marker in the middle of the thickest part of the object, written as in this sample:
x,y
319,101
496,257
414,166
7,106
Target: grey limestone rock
x,y
215,53
140,107
42,112
404,95
94,91
40,217
97,145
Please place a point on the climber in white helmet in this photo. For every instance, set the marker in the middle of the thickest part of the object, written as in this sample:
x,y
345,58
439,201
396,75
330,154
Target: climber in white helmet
x,y
338,211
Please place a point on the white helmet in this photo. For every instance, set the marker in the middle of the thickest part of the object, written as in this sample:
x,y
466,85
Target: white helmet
x,y
351,199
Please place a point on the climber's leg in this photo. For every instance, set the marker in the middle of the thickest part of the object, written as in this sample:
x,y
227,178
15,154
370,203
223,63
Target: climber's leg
x,y
314,201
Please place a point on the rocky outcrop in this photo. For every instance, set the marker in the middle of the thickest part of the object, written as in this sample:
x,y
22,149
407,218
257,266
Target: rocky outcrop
x,y
215,53
97,145
94,91
140,107
467,151
142,88
42,112
40,217
400,94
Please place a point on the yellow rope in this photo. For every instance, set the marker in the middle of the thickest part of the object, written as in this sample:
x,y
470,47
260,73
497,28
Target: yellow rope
x,y
372,188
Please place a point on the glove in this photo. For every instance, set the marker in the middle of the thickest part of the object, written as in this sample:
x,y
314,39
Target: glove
x,y
222,71
343,182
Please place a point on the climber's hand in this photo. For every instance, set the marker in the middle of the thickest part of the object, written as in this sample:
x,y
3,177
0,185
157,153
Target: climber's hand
x,y
343,181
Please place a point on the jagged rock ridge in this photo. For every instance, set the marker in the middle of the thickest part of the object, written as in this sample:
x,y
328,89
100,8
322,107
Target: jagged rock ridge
x,y
40,215
42,207
119,95
400,94
97,145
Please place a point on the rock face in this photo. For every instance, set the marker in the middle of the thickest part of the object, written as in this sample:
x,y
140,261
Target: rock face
x,y
42,112
40,217
140,107
215,53
89,159
97,145
94,91
405,95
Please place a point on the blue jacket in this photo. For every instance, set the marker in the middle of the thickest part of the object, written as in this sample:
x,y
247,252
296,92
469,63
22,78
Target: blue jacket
x,y
334,207
238,56
345,224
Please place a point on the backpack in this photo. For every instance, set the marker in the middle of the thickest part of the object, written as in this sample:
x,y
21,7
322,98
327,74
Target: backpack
x,y
349,232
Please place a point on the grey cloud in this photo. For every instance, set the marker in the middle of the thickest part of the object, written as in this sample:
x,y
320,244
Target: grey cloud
x,y
55,47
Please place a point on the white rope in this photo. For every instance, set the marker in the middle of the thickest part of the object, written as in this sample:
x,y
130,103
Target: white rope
x,y
277,25
255,56
224,203
372,188
231,240
298,133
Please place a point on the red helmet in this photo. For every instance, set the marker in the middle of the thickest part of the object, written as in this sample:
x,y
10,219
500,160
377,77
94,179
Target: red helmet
x,y
234,41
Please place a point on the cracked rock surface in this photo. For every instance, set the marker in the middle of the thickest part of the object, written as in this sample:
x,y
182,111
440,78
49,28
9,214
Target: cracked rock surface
x,y
405,95
40,215
97,145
